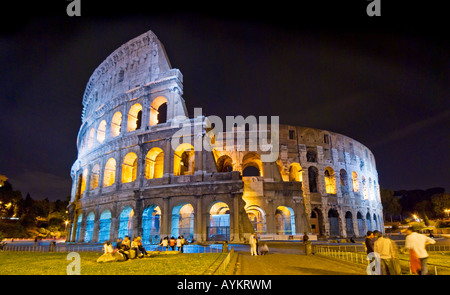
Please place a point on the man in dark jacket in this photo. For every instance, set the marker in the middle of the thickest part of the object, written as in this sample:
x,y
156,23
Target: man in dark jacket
x,y
369,242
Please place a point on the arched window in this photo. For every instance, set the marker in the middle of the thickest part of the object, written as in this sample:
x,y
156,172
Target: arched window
x,y
312,178
151,218
330,181
355,181
129,168
183,221
105,226
219,222
158,111
109,176
285,220
257,218
295,172
101,131
252,165
184,160
94,176
224,164
89,230
154,163
333,219
116,124
126,223
134,117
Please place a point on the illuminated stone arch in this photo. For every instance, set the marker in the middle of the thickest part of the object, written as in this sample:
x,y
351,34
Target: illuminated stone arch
x,y
125,222
285,220
154,163
101,131
158,111
219,222
224,164
183,221
134,121
257,217
330,181
116,124
109,174
89,228
184,160
252,165
129,168
105,226
151,224
295,172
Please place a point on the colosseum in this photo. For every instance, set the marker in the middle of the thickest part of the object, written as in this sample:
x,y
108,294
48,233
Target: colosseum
x,y
129,178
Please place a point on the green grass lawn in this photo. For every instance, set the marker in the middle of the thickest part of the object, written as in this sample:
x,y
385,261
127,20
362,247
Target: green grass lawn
x,y
26,263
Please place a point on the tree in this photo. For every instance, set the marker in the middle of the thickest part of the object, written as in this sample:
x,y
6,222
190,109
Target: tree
x,y
9,200
425,210
440,202
391,205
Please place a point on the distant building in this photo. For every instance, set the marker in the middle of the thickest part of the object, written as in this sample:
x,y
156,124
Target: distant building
x,y
129,180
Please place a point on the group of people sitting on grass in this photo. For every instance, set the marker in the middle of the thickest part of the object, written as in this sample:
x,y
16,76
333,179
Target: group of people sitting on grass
x,y
125,249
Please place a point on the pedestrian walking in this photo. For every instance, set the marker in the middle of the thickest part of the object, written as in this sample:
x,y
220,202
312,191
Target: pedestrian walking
x,y
388,251
417,242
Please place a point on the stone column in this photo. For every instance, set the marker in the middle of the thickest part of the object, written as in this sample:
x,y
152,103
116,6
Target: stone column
x,y
270,217
199,226
166,216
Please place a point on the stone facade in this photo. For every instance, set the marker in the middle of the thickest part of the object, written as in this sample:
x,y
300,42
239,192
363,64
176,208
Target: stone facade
x,y
128,180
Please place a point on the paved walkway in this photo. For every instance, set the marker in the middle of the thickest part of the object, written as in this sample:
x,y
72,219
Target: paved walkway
x,y
292,264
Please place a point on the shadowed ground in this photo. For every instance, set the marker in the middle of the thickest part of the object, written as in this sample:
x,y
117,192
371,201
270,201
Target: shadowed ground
x,y
292,264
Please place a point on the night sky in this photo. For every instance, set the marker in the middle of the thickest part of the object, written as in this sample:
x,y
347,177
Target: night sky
x,y
383,81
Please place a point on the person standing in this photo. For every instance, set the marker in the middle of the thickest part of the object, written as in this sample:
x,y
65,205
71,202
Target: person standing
x,y
388,252
369,242
253,243
417,242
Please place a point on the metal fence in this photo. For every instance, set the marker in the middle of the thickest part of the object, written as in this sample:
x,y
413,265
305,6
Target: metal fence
x,y
66,248
355,255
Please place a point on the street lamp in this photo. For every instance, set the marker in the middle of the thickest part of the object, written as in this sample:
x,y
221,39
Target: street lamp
x,y
447,211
